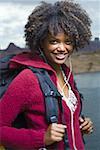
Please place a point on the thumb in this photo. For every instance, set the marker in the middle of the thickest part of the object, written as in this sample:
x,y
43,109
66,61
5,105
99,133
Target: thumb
x,y
81,119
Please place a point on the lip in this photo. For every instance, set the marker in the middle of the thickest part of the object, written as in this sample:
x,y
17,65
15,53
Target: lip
x,y
60,56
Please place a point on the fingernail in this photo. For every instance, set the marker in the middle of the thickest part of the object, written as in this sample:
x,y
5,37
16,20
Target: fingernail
x,y
82,119
65,126
80,127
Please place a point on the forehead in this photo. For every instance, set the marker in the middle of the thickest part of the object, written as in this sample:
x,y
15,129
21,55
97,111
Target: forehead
x,y
59,35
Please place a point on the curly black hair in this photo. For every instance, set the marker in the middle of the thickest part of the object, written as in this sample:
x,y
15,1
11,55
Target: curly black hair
x,y
52,18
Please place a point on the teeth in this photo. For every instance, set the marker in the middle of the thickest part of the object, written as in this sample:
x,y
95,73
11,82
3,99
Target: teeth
x,y
60,56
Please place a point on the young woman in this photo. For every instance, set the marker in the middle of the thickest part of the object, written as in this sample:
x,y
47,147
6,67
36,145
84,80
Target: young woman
x,y
53,32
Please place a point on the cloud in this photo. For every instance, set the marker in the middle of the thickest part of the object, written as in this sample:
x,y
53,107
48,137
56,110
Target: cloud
x,y
93,9
12,21
13,17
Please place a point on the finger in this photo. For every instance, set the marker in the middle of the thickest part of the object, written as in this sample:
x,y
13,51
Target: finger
x,y
56,133
86,127
86,124
52,136
56,138
81,119
58,128
90,130
88,120
59,125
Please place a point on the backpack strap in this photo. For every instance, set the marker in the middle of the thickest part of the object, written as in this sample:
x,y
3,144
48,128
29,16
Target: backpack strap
x,y
51,103
53,99
50,93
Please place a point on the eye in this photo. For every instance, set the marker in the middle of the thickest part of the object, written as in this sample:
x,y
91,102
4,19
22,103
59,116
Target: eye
x,y
53,41
68,42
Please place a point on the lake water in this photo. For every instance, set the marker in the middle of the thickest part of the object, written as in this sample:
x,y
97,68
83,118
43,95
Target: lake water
x,y
89,85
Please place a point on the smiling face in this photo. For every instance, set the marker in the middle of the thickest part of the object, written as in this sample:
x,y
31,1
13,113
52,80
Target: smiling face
x,y
57,48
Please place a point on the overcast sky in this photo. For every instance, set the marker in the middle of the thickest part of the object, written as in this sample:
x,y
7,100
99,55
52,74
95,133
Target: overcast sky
x,y
14,13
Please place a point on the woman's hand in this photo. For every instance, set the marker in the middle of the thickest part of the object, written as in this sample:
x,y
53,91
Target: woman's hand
x,y
86,125
2,147
54,133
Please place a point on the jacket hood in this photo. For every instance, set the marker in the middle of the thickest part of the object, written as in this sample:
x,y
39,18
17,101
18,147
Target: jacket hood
x,y
27,59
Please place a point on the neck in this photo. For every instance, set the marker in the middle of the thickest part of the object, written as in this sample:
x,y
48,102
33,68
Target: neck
x,y
57,68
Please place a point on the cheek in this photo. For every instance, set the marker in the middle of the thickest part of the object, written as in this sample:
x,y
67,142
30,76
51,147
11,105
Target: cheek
x,y
49,49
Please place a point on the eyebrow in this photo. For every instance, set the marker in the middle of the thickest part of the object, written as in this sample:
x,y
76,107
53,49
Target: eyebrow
x,y
53,37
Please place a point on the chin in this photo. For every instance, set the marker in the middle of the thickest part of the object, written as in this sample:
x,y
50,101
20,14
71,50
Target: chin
x,y
57,61
60,62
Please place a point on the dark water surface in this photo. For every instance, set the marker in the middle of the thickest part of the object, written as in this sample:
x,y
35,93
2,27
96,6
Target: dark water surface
x,y
89,85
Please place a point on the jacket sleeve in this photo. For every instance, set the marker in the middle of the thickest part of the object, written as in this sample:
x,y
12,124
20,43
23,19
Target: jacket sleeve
x,y
21,138
12,103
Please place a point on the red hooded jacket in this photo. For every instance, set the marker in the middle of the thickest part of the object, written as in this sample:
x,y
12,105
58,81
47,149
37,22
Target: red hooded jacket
x,y
24,95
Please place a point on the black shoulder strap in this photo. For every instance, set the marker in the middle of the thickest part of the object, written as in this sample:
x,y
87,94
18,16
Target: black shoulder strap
x,y
51,94
52,99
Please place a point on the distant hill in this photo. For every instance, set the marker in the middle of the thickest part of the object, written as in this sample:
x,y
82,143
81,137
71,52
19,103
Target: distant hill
x,y
85,60
12,48
91,47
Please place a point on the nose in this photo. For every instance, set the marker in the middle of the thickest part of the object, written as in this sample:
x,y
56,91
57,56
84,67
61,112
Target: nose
x,y
61,47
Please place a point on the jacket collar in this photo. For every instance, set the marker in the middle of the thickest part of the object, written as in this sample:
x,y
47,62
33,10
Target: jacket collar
x,y
27,59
